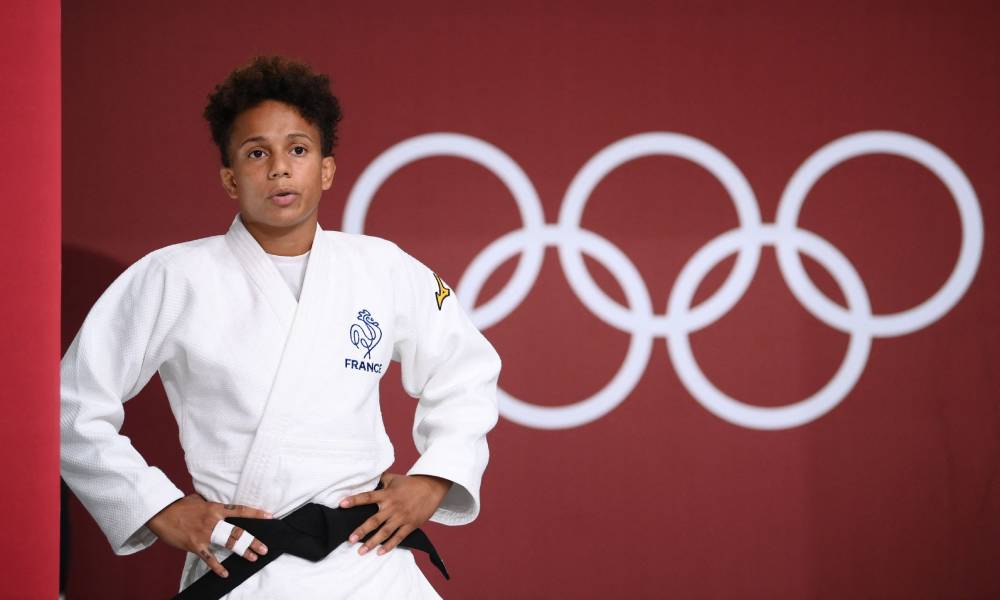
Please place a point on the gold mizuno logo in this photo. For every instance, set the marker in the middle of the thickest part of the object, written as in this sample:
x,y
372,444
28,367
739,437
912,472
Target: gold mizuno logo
x,y
443,291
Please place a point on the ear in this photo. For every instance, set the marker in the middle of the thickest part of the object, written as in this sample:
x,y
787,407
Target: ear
x,y
229,182
327,170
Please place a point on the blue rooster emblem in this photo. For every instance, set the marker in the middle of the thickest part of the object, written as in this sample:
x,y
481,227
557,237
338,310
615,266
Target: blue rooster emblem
x,y
367,335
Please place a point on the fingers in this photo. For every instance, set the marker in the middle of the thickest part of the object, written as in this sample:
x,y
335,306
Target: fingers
x,y
380,536
238,540
242,547
373,523
245,544
221,533
362,498
396,539
238,510
403,505
212,562
258,547
236,534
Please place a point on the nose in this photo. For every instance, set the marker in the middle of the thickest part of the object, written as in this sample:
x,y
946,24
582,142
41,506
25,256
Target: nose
x,y
279,168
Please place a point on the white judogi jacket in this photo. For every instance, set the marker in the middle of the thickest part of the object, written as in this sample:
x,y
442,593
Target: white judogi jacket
x,y
277,401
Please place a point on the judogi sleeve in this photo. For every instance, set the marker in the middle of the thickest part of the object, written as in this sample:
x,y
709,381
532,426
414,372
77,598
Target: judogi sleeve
x,y
118,348
452,370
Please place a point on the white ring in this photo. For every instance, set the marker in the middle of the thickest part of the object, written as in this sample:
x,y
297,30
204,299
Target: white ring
x,y
221,532
779,417
921,152
486,155
639,349
241,545
665,144
681,319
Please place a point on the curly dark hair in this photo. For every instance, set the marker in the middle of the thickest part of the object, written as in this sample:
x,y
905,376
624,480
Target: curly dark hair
x,y
273,78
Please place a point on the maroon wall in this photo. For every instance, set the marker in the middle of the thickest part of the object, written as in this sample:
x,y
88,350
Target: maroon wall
x,y
892,493
29,304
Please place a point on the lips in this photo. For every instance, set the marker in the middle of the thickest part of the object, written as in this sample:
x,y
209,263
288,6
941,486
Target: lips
x,y
284,197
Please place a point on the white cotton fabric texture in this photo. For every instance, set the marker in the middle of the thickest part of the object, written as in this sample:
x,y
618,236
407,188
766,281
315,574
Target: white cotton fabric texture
x,y
269,413
292,269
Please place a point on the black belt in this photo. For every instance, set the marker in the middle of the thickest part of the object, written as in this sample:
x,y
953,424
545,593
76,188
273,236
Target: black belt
x,y
310,532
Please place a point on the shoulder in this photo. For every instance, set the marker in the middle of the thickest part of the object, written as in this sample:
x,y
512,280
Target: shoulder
x,y
377,254
183,256
366,247
174,263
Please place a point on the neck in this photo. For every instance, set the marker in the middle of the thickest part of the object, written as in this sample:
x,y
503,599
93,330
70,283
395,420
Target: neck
x,y
284,241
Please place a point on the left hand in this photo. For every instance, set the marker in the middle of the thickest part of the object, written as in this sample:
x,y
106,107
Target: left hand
x,y
404,504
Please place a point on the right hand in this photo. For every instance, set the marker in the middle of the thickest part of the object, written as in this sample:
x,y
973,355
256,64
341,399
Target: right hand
x,y
187,524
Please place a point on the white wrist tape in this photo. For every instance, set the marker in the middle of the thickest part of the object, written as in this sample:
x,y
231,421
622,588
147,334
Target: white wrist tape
x,y
243,543
221,533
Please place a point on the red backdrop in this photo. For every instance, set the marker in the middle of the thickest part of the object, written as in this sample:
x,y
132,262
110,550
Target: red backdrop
x,y
893,493
29,302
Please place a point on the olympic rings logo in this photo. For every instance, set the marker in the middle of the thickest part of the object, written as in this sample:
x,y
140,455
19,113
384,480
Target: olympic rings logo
x,y
680,318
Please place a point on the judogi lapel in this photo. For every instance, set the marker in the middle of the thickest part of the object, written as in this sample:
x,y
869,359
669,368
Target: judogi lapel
x,y
301,321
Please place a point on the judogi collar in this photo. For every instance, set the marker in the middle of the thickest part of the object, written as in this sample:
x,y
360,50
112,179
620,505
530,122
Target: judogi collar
x,y
265,275
299,320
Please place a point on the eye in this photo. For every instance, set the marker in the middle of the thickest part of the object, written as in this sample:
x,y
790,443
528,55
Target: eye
x,y
299,150
256,153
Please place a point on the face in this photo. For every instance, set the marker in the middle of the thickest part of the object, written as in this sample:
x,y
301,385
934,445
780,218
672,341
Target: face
x,y
277,172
